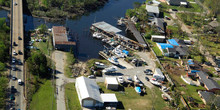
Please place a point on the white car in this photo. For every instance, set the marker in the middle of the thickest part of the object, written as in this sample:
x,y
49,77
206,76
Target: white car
x,y
14,53
13,60
19,82
13,67
120,79
15,4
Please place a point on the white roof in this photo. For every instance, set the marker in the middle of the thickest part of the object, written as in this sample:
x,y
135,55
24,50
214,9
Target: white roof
x,y
106,27
109,98
111,80
158,36
152,9
88,88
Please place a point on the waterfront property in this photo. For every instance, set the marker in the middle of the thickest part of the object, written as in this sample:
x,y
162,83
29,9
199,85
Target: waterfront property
x,y
60,39
177,2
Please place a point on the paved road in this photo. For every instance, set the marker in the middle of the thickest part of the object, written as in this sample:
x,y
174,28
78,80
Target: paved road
x,y
17,30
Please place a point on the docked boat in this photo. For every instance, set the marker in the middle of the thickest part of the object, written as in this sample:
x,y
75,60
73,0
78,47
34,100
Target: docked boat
x,y
97,35
113,60
138,90
120,22
155,82
110,69
100,65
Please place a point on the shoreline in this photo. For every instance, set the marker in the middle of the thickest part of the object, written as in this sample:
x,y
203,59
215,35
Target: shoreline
x,y
5,8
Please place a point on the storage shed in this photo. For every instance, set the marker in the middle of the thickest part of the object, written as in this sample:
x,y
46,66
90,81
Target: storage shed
x,y
111,83
158,74
158,38
109,100
88,92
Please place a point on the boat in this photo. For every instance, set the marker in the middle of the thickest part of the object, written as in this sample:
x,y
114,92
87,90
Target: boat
x,y
100,65
120,22
97,35
136,79
110,69
113,60
104,40
118,51
155,82
138,89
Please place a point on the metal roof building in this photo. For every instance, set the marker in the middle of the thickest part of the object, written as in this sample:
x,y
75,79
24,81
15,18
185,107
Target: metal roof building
x,y
151,9
111,83
106,27
88,92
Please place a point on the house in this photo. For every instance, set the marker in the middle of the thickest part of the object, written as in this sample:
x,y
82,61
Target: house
x,y
153,10
60,39
111,83
88,92
109,100
177,2
158,74
207,97
159,23
214,24
208,82
192,68
158,38
163,47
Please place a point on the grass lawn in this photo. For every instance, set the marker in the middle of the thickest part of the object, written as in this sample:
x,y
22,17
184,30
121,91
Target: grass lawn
x,y
192,8
71,97
42,99
131,100
44,46
155,48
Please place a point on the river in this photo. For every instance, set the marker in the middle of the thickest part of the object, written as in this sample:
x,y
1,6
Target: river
x,y
88,47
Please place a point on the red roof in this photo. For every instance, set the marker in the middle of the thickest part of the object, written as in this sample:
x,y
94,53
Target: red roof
x,y
60,36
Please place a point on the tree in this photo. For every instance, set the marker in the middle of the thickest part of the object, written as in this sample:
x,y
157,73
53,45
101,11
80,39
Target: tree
x,y
42,28
2,66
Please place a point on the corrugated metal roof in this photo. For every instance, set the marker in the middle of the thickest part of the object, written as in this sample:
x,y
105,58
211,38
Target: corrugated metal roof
x,y
209,82
111,80
60,35
88,88
106,27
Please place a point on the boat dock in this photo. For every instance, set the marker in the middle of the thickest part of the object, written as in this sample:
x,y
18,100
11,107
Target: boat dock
x,y
113,34
130,26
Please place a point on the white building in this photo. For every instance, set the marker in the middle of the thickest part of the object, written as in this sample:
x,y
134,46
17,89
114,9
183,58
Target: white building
x,y
111,83
88,92
153,10
109,100
158,74
158,38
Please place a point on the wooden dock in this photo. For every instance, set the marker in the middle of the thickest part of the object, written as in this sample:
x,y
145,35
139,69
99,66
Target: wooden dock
x,y
105,56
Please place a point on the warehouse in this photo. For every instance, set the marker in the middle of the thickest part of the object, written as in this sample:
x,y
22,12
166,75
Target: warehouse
x,y
88,92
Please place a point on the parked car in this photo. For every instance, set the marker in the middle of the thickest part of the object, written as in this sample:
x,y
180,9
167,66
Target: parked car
x,y
19,52
12,97
14,44
13,67
14,52
13,78
167,17
147,78
174,10
120,79
13,60
148,72
19,62
19,38
13,90
19,82
15,4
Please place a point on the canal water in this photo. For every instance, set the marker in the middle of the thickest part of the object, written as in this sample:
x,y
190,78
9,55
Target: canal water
x,y
88,47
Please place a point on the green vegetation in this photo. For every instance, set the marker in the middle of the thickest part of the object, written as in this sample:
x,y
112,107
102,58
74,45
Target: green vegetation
x,y
62,8
70,60
211,44
5,3
71,97
191,8
176,32
213,5
42,28
4,57
155,48
131,100
44,98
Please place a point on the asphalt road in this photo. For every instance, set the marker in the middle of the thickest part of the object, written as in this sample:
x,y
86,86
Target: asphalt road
x,y
17,30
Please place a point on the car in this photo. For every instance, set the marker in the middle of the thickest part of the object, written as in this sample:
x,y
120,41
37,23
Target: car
x,y
19,62
13,60
147,78
14,44
167,17
13,67
19,82
19,52
120,79
14,52
13,78
148,72
15,4
91,76
13,90
12,97
19,38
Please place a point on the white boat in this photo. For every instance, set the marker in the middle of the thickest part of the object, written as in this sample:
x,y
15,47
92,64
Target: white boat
x,y
97,35
110,69
100,65
113,60
104,40
155,82
120,22
117,51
